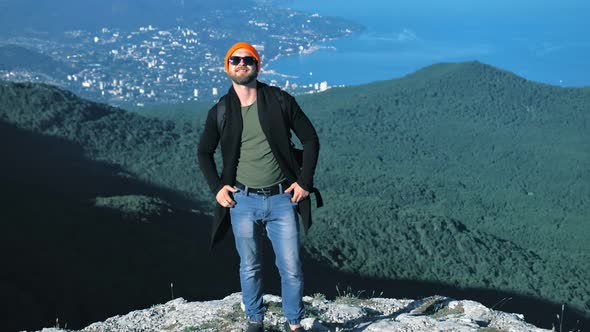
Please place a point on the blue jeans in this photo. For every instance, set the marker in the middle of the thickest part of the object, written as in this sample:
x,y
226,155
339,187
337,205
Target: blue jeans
x,y
249,217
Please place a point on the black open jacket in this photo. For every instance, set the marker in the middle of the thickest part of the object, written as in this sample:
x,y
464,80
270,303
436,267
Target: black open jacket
x,y
279,138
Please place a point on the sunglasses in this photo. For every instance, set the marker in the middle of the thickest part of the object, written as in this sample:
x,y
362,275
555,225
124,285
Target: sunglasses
x,y
248,60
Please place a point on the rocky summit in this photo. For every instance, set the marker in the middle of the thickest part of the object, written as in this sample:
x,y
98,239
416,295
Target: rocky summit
x,y
345,313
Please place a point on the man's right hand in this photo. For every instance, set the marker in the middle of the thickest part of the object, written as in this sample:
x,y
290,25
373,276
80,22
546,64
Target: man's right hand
x,y
224,198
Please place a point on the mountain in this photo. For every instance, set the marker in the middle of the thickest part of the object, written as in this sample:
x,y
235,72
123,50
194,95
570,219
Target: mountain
x,y
347,312
457,165
89,230
149,148
83,239
477,144
457,178
465,141
13,57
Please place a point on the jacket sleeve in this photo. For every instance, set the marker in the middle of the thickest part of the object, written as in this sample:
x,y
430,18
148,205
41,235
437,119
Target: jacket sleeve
x,y
206,151
306,133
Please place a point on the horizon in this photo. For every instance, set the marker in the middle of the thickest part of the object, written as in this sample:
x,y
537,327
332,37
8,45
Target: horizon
x,y
106,59
540,41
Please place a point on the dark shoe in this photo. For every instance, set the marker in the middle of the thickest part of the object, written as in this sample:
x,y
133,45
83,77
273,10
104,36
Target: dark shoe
x,y
288,328
255,327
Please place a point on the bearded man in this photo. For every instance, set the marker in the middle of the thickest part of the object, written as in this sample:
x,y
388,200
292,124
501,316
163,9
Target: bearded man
x,y
263,185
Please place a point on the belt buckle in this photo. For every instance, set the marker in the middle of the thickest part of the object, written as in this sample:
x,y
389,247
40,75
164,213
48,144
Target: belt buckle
x,y
264,191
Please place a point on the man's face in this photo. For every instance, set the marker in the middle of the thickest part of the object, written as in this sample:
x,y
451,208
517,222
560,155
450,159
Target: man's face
x,y
241,73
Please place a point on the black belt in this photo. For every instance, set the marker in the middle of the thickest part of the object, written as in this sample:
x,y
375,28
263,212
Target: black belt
x,y
267,191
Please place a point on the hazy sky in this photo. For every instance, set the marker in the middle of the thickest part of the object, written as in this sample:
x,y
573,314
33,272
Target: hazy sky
x,y
550,14
542,40
427,8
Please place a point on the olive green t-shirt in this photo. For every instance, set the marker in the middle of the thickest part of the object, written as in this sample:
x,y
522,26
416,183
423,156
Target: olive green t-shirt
x,y
257,166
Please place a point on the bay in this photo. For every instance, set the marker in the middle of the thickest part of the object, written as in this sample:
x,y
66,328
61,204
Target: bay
x,y
541,40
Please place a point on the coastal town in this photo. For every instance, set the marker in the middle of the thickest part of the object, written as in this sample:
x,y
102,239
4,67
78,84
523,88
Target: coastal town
x,y
152,64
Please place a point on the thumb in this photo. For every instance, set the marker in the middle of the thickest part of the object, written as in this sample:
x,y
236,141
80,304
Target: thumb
x,y
291,188
232,189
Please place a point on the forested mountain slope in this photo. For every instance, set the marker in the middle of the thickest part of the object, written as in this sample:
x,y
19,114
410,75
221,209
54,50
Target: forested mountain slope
x,y
159,152
470,147
458,174
406,163
84,238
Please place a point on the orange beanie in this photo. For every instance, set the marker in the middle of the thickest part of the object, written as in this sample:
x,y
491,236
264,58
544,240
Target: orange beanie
x,y
246,46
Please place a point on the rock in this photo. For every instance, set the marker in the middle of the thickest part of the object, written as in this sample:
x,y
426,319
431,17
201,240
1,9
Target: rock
x,y
341,313
271,299
436,313
312,324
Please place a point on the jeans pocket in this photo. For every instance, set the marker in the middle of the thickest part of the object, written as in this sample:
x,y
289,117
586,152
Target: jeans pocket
x,y
238,192
289,196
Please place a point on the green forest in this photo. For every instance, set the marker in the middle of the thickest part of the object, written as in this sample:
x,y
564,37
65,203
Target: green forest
x,y
459,174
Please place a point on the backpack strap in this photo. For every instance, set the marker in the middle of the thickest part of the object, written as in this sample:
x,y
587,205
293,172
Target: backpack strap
x,y
278,93
220,114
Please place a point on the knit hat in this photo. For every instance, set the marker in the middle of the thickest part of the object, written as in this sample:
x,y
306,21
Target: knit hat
x,y
246,46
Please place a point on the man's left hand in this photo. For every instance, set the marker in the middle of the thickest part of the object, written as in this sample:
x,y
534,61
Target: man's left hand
x,y
297,192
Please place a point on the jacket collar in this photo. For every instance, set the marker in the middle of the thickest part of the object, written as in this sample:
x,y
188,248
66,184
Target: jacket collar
x,y
234,109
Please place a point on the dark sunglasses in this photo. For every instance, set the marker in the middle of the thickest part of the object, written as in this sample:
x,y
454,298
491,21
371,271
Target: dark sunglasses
x,y
248,60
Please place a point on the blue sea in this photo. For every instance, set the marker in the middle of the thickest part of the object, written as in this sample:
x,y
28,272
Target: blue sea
x,y
544,41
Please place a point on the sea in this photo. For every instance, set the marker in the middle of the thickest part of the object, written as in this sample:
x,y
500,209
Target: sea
x,y
542,40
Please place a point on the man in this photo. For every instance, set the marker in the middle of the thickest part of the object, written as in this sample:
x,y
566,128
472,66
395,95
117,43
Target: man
x,y
262,185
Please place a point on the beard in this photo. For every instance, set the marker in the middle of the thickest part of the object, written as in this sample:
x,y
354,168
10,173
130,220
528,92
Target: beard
x,y
243,80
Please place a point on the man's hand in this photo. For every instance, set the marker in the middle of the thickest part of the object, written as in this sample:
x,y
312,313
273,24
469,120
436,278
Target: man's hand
x,y
297,192
224,198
